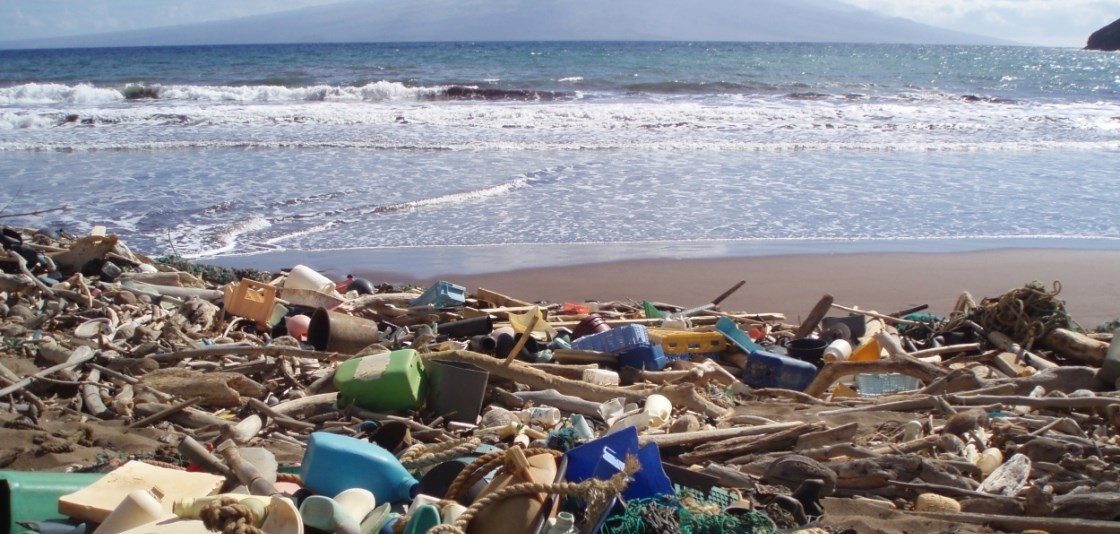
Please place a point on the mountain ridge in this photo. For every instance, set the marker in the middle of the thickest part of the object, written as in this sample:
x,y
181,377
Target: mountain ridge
x,y
538,20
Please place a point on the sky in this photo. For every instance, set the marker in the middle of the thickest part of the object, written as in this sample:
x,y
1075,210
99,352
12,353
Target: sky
x,y
1033,22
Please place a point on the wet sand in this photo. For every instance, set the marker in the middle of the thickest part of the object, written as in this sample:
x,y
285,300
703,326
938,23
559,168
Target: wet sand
x,y
791,285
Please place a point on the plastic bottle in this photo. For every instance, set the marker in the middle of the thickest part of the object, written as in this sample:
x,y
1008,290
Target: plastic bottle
x,y
545,416
563,523
837,351
333,463
989,460
659,409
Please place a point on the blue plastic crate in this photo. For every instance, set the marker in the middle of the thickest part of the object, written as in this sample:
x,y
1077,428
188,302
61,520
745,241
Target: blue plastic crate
x,y
616,340
442,295
650,358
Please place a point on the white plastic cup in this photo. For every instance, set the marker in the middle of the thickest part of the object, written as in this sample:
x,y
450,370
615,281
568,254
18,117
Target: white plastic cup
x,y
138,508
304,277
659,409
602,377
837,351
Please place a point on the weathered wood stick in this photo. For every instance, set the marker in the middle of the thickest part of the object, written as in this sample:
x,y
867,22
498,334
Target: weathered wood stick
x,y
947,349
91,397
567,403
521,341
279,418
8,378
909,405
948,491
239,349
1033,402
498,299
813,440
308,406
1076,346
27,272
46,372
684,395
906,365
745,445
165,412
685,439
780,440
1053,525
895,320
814,318
571,372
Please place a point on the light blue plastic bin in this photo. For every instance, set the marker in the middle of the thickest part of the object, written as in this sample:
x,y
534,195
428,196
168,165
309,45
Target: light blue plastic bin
x,y
442,295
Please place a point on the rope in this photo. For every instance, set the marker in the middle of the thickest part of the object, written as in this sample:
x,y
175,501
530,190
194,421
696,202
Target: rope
x,y
228,516
422,456
292,478
597,493
477,469
1025,315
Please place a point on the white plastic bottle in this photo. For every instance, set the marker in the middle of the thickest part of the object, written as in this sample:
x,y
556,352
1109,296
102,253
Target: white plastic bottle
x,y
837,351
564,523
544,416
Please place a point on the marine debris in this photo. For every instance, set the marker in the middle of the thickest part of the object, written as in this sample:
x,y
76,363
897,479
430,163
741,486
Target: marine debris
x,y
290,402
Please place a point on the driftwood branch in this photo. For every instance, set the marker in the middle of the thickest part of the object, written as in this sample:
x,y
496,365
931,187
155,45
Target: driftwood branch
x,y
684,395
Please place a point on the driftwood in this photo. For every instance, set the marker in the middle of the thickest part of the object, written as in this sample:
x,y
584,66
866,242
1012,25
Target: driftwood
x,y
1053,525
219,389
737,449
906,365
74,362
704,436
91,397
821,438
684,396
246,350
159,412
567,403
814,318
1076,346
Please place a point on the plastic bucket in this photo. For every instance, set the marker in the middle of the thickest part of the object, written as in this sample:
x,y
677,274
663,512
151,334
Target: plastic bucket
x,y
337,332
457,390
304,277
808,349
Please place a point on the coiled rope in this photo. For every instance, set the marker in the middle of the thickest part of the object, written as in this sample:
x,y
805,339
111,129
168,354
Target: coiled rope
x,y
1025,315
597,493
421,456
228,516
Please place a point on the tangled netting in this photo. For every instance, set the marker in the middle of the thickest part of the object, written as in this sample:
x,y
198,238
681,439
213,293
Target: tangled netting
x,y
1025,314
228,516
665,514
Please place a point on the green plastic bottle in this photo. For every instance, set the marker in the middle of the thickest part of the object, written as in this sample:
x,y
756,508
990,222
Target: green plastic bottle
x,y
383,382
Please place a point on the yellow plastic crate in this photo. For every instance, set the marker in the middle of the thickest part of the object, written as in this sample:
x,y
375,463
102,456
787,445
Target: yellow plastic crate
x,y
250,299
688,341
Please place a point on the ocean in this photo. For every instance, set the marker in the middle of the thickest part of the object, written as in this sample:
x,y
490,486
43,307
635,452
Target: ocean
x,y
429,158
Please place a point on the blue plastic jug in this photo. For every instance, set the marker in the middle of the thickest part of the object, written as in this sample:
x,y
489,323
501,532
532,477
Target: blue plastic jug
x,y
333,463
768,370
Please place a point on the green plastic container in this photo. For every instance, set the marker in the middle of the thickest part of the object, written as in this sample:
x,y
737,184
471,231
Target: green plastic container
x,y
383,382
27,496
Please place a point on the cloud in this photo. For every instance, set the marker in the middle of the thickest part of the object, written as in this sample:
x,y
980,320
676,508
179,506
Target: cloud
x,y
1041,22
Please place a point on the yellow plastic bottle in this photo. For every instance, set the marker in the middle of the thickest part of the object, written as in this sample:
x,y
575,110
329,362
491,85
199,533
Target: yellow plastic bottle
x,y
867,352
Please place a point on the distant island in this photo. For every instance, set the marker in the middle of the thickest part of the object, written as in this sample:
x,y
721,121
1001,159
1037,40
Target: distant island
x,y
1106,38
540,20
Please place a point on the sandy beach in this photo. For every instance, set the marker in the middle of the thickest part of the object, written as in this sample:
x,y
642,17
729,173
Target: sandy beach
x,y
792,284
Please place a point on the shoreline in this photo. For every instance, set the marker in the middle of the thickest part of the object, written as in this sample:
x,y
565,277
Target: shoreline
x,y
787,283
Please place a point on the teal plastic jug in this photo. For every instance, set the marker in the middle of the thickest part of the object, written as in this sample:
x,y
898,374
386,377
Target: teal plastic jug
x,y
333,463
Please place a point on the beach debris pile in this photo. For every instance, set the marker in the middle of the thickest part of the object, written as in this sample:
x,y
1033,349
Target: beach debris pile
x,y
150,399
